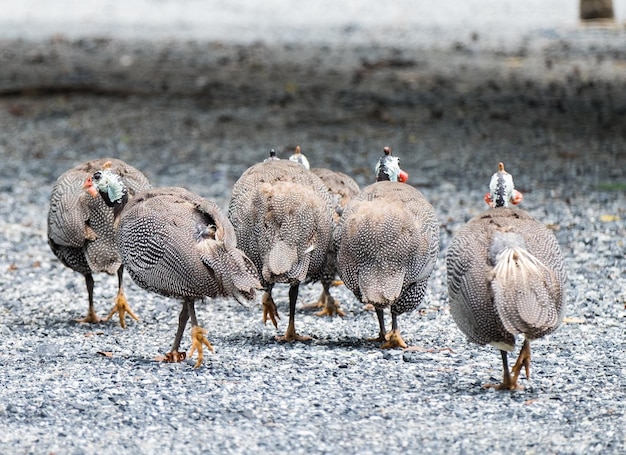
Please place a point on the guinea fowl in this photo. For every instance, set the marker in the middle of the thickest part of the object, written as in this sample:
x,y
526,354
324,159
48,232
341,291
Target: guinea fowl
x,y
387,245
177,244
299,158
505,277
282,215
81,233
341,188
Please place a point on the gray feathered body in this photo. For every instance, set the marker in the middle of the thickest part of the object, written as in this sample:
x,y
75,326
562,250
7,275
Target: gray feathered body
x,y
341,189
505,277
387,245
178,244
282,216
80,227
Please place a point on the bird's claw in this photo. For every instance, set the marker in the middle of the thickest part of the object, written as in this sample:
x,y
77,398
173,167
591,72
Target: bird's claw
x,y
293,337
391,340
91,318
197,341
270,311
173,357
331,308
121,307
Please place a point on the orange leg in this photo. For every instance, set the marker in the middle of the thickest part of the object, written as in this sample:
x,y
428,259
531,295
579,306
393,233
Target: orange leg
x,y
394,339
329,306
508,382
197,341
121,306
269,308
522,361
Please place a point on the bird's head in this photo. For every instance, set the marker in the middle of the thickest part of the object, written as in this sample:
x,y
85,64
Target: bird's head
x,y
299,158
271,157
388,168
109,185
501,190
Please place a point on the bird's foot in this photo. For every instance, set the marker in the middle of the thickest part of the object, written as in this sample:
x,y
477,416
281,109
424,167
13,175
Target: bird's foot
x,y
121,307
91,318
331,308
173,357
505,385
197,341
379,339
319,303
393,341
269,309
291,335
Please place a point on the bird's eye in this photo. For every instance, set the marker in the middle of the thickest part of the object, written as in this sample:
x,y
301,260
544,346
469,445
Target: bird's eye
x,y
97,175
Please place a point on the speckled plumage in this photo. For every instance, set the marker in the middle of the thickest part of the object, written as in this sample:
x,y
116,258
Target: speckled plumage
x,y
282,215
505,277
80,228
341,188
387,244
178,244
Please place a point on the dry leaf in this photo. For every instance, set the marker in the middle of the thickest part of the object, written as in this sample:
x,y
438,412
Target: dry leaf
x,y
574,320
606,218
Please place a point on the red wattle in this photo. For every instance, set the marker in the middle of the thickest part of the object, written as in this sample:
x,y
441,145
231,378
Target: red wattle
x,y
488,199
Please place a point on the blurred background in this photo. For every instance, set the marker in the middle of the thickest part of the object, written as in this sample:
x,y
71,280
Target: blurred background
x,y
408,22
461,81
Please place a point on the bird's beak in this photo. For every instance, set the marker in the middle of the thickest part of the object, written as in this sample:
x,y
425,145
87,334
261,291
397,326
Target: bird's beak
x,y
90,187
403,176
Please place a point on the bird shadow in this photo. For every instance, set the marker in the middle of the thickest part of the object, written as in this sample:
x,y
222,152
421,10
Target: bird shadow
x,y
264,340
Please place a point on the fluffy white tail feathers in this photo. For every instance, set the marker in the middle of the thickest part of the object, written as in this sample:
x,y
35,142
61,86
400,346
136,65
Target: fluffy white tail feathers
x,y
523,287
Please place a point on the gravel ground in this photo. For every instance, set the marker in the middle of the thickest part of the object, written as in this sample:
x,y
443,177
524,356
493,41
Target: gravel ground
x,y
197,114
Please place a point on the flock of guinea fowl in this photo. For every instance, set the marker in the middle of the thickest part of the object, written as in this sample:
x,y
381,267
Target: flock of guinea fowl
x,y
290,224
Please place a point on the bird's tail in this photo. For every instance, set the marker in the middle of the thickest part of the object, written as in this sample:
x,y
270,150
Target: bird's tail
x,y
236,273
381,286
283,260
526,292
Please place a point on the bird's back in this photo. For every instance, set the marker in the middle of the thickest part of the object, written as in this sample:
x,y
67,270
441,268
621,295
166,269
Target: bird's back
x,y
179,244
341,187
80,227
505,276
387,241
282,215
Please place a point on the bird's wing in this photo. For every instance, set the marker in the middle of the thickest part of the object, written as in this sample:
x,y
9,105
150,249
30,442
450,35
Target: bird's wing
x,y
68,214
